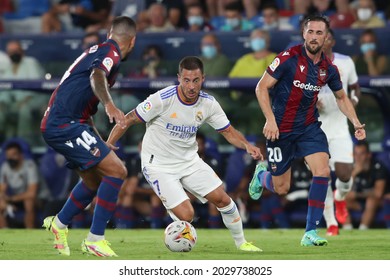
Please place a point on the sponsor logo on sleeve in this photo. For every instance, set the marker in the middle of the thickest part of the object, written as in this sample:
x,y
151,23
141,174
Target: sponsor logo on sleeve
x,y
93,49
146,107
274,64
108,63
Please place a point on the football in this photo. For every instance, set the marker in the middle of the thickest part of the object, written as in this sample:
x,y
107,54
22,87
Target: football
x,y
180,236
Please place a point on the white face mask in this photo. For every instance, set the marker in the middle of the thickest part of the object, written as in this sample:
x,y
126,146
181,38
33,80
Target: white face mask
x,y
364,14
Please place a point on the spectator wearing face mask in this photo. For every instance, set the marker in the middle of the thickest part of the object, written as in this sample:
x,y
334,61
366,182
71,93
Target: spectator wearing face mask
x,y
253,64
366,17
21,105
90,39
234,21
18,185
215,63
196,20
370,62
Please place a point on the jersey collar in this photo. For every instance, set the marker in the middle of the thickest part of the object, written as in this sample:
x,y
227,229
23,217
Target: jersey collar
x,y
116,46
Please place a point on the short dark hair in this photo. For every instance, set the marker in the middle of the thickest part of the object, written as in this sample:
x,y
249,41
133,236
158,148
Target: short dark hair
x,y
14,145
123,24
190,63
316,17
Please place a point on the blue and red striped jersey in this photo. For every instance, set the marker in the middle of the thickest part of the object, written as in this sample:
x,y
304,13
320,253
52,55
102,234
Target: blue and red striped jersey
x,y
74,100
294,95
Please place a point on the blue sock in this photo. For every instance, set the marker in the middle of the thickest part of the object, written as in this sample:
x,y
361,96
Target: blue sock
x,y
107,196
78,199
386,212
316,202
265,178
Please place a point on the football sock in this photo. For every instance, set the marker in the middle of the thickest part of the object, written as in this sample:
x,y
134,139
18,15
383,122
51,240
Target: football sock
x,y
316,201
232,220
80,197
265,178
107,196
386,212
342,188
329,215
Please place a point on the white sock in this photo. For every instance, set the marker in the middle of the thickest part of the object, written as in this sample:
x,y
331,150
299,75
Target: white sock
x,y
232,220
94,238
59,224
329,215
342,188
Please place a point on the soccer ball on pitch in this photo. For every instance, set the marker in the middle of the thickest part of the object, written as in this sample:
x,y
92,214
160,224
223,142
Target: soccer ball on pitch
x,y
180,236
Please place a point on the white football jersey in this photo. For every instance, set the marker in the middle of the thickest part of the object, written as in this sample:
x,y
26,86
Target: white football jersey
x,y
334,122
171,125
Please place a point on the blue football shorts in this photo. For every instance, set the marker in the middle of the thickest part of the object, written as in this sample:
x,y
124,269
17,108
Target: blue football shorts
x,y
79,144
282,152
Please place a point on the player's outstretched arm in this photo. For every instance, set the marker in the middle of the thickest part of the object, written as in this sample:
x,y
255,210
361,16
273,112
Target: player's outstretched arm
x,y
118,130
234,137
99,86
346,107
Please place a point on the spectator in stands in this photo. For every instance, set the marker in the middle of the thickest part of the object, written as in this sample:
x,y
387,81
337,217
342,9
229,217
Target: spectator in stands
x,y
370,62
366,15
159,21
18,185
234,20
153,64
196,19
250,7
324,7
270,19
71,15
22,105
216,64
24,16
176,11
129,8
90,39
137,200
370,179
344,15
253,64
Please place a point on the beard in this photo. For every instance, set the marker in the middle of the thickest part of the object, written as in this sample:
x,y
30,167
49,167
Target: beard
x,y
313,50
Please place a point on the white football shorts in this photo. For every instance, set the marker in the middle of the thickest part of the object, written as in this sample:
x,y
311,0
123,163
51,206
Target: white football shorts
x,y
198,179
341,150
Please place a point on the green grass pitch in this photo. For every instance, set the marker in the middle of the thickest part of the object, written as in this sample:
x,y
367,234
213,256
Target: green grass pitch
x,y
146,244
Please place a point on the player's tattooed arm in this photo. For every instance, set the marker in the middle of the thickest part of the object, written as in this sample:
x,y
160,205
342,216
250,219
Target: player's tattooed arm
x,y
117,132
100,85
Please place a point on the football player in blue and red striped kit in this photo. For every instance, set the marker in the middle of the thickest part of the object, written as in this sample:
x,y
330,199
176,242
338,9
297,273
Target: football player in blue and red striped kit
x,y
287,94
68,128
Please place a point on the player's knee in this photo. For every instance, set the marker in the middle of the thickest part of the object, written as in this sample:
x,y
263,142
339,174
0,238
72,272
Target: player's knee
x,y
187,215
344,177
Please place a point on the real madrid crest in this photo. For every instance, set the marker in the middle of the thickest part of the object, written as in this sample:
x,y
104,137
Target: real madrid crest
x,y
199,116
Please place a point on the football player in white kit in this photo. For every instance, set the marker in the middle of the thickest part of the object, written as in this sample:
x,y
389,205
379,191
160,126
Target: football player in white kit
x,y
335,126
169,158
